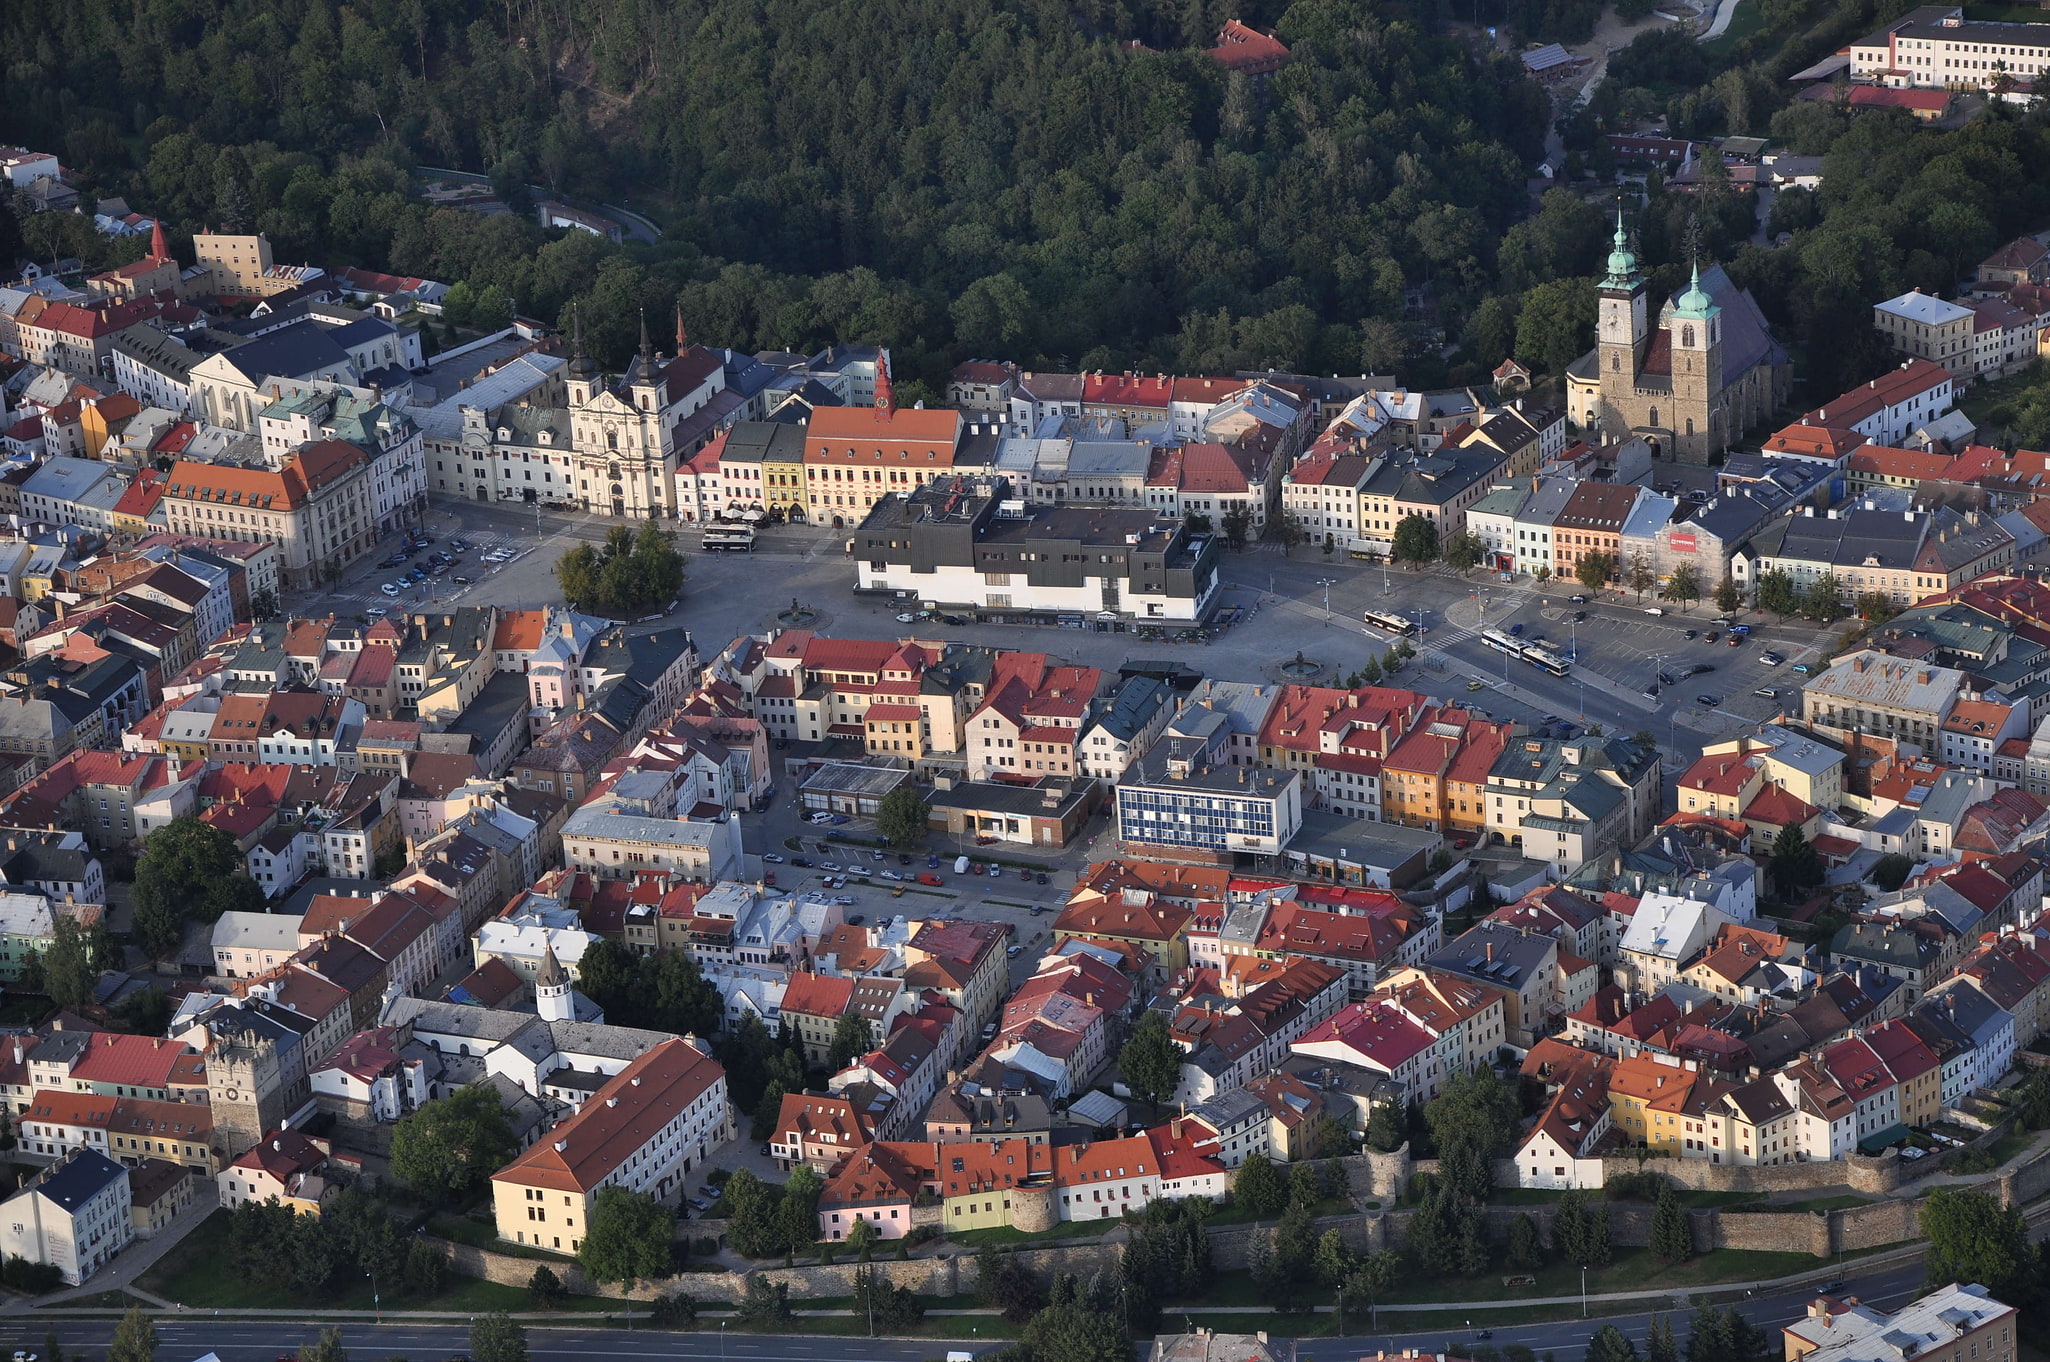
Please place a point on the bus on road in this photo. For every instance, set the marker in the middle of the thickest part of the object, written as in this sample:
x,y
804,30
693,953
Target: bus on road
x,y
736,537
1394,624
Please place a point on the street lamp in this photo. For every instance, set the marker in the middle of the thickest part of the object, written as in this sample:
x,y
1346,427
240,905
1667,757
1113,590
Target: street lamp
x,y
722,1339
1583,1291
376,1301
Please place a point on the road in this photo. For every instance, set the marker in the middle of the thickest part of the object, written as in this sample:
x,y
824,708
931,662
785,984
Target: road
x,y
1886,1290
259,1342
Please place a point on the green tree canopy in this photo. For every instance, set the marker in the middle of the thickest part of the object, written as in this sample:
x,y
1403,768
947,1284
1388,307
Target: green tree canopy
x,y
902,816
1257,1187
1595,570
628,575
449,1146
188,869
1416,540
1683,587
1672,1237
1151,1062
1778,594
497,1338
1973,1238
1795,868
628,1239
135,1338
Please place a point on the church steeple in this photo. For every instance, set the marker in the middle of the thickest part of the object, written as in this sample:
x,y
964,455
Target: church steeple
x,y
580,365
159,249
551,988
1622,260
1696,304
644,370
682,340
886,401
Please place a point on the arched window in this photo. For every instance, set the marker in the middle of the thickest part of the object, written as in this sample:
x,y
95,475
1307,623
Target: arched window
x,y
612,439
1687,337
1616,362
1654,414
1690,425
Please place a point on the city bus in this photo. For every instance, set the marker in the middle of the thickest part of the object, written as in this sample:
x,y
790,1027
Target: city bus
x,y
737,537
1394,624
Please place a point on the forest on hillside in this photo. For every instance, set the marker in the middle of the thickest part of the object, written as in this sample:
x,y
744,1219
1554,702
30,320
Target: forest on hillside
x,y
1064,184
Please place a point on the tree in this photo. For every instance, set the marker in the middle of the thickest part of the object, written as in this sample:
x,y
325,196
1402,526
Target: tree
x,y
1609,1345
1672,1237
1683,588
449,1146
673,1311
1151,1062
1525,1250
544,1288
1641,577
1556,325
1819,602
1327,1137
1464,550
68,972
764,1305
498,1337
1003,1284
1875,607
799,1213
1794,866
890,1309
326,1348
135,1338
188,869
1728,598
1659,1345
627,1239
901,815
1237,524
753,1226
1416,540
1580,1234
1595,569
1335,1262
1972,1238
1257,1188
671,993
1778,594
853,1037
628,575
861,1240
1474,1111
1385,1129
1890,872
605,975
1075,1332
2033,1100
1305,1188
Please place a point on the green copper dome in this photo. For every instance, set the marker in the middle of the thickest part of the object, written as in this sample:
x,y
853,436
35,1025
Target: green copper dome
x,y
1695,302
1622,260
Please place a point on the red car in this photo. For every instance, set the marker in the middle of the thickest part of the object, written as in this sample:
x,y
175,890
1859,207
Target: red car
x,y
929,878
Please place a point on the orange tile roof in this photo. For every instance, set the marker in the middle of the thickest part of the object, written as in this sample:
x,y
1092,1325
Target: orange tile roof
x,y
617,1122
519,631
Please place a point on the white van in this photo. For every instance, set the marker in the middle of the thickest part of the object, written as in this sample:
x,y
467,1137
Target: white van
x,y
1654,610
960,865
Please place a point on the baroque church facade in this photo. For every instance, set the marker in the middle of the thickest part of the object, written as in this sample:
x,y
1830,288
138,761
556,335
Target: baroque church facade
x,y
1689,386
610,448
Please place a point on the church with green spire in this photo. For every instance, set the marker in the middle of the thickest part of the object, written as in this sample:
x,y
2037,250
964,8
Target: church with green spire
x,y
1689,385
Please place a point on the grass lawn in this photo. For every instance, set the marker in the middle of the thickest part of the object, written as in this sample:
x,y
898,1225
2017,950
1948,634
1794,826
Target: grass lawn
x,y
1632,1270
477,1234
202,1275
1004,1234
1822,1203
2010,1144
1749,18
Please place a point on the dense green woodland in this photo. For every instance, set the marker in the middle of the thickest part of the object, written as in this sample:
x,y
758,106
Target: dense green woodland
x,y
958,179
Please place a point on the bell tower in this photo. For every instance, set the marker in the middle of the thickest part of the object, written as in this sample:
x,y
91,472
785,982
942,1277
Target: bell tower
x,y
1696,328
1623,325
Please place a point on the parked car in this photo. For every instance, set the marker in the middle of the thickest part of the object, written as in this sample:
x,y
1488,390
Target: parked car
x,y
891,875
1711,636
1580,617
1012,950
932,860
1708,701
772,858
838,819
800,861
1025,875
389,589
460,580
830,867
1578,600
1042,880
929,878
1771,659
1693,633
1766,693
903,858
1740,629
1698,668
1803,668
1735,640
877,856
856,919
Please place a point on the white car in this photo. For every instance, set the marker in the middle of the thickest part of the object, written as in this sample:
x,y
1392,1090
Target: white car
x,y
906,617
389,589
891,875
829,867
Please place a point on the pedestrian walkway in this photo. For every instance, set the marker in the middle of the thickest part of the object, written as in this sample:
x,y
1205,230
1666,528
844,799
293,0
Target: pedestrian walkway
x,y
133,1261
